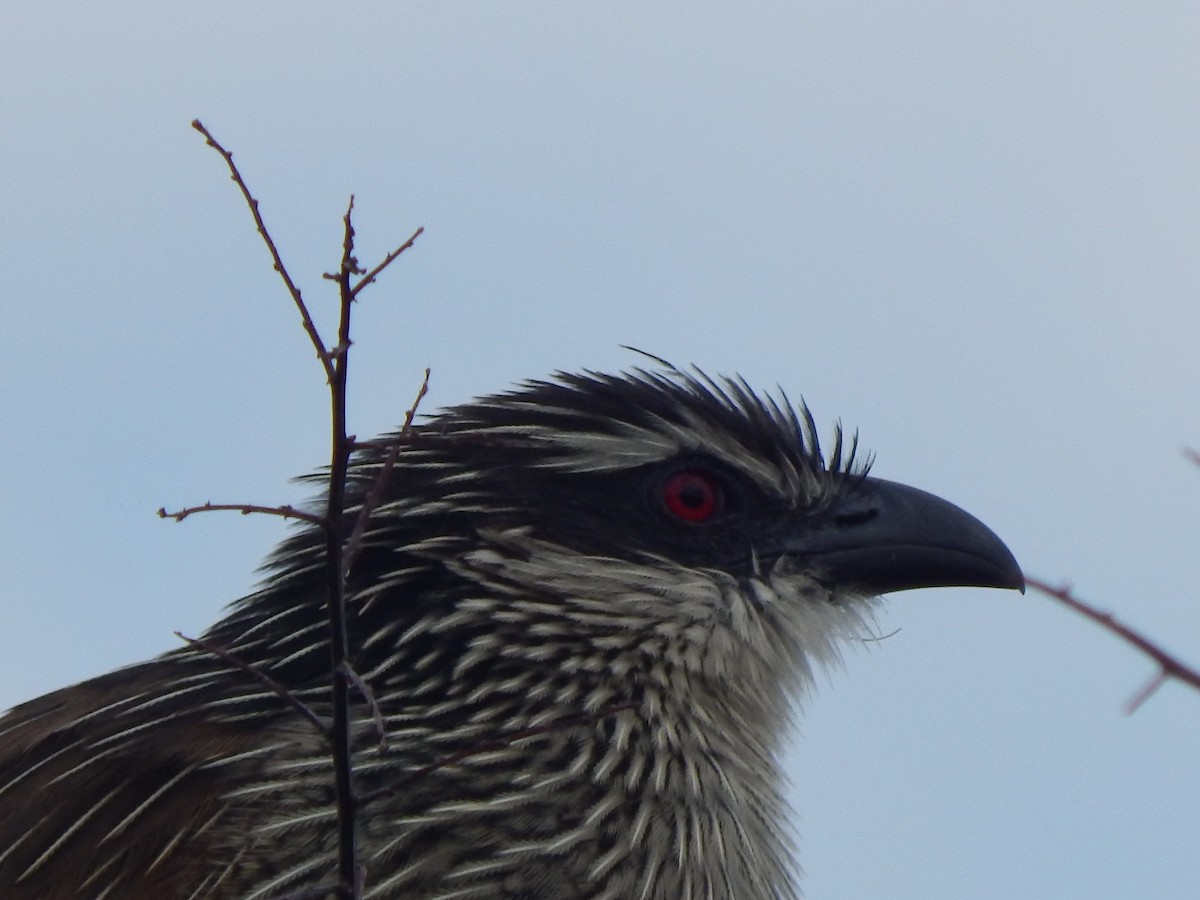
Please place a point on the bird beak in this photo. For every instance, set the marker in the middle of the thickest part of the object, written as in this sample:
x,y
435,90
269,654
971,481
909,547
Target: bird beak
x,y
886,537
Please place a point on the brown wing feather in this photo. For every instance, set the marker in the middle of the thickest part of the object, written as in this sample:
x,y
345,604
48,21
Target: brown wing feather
x,y
90,807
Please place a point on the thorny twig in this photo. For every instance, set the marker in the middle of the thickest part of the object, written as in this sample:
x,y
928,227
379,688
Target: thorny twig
x,y
335,581
310,327
262,677
371,501
387,261
1169,666
335,362
368,696
286,511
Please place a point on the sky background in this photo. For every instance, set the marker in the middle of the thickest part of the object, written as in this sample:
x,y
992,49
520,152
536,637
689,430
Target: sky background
x,y
971,231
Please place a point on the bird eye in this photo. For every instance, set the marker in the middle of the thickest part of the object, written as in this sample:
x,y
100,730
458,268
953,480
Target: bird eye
x,y
691,496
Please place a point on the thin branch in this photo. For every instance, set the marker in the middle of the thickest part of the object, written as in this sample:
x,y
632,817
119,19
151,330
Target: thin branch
x,y
1169,665
371,501
262,678
309,327
1150,688
368,696
335,362
411,412
349,265
284,512
335,581
387,261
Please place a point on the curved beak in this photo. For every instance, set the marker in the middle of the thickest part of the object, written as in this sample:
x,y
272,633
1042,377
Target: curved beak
x,y
890,537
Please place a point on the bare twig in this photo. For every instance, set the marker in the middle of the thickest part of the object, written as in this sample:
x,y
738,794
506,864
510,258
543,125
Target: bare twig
x,y
1169,666
368,696
338,554
285,512
371,501
387,261
1147,691
309,326
263,678
335,581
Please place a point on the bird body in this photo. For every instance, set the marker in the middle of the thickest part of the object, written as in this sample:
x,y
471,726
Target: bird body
x,y
585,609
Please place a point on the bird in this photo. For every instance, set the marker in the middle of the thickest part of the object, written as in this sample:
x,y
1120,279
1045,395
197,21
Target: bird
x,y
586,609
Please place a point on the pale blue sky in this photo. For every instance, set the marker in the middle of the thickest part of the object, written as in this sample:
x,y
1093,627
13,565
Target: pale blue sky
x,y
971,231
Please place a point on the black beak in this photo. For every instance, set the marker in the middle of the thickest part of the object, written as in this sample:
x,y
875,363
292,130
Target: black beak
x,y
890,537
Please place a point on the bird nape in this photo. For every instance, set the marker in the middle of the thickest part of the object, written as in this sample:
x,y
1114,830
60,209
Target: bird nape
x,y
585,609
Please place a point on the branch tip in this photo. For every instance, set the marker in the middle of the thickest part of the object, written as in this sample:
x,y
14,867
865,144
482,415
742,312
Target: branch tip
x,y
1170,666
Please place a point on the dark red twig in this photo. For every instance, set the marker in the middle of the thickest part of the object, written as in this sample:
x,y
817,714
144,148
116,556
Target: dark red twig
x,y
1169,666
368,696
262,678
335,581
371,501
335,362
286,511
387,261
310,327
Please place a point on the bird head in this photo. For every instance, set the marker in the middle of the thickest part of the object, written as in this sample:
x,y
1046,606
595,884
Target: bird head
x,y
585,536
583,610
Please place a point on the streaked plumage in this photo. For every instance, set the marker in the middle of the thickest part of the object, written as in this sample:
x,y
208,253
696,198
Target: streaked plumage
x,y
631,575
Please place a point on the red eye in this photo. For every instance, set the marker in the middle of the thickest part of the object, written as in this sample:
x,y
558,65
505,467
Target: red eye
x,y
691,496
